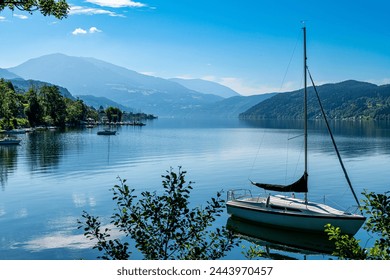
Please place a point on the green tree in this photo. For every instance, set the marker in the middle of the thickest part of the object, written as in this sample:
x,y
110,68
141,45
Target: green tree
x,y
54,105
113,114
58,9
162,226
34,108
92,113
10,105
76,111
377,208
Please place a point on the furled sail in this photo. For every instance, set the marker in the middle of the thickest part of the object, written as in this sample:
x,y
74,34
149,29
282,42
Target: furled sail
x,y
298,186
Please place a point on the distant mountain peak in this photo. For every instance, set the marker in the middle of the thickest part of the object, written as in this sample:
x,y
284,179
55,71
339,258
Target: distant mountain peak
x,y
90,76
207,87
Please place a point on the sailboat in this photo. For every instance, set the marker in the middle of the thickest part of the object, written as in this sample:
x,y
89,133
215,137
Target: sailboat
x,y
287,211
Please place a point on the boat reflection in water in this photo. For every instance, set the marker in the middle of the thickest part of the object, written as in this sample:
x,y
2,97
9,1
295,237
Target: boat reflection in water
x,y
283,244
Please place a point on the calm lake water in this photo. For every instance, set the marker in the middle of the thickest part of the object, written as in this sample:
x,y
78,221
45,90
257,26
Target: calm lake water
x,y
53,176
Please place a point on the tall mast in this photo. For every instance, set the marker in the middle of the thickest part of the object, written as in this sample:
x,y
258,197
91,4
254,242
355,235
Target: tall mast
x,y
305,101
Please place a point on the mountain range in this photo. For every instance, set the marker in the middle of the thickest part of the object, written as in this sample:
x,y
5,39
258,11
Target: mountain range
x,y
88,76
99,83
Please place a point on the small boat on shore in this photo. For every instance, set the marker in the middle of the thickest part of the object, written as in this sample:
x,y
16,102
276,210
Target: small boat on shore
x,y
106,132
16,131
10,141
137,123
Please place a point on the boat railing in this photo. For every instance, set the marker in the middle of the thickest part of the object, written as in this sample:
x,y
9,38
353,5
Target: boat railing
x,y
352,210
238,194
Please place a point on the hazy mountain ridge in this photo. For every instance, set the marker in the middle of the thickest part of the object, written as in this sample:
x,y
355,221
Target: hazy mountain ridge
x,y
89,76
206,87
22,86
96,102
230,107
5,74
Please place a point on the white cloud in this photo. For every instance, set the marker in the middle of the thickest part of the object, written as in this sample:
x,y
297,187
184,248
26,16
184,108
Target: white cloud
x,y
79,31
79,10
21,213
384,81
117,3
64,239
2,212
20,16
149,73
94,30
185,77
3,18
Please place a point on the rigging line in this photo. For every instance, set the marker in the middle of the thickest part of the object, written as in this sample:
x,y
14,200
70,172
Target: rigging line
x,y
286,169
333,140
281,87
289,64
257,154
296,136
299,159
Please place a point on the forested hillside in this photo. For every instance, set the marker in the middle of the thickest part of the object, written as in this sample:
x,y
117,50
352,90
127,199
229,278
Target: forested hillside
x,y
345,100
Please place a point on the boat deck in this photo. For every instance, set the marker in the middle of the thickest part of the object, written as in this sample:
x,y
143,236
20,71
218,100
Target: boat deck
x,y
282,203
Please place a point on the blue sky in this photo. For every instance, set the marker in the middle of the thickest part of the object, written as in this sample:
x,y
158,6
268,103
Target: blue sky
x,y
252,46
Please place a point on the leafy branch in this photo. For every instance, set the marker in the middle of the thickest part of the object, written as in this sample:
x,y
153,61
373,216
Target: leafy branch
x,y
59,9
163,226
377,208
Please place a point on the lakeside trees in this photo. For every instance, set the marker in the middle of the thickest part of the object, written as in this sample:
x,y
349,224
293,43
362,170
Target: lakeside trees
x,y
113,114
45,105
40,106
10,104
13,105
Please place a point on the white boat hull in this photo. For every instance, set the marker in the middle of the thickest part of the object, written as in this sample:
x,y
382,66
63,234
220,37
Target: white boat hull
x,y
294,214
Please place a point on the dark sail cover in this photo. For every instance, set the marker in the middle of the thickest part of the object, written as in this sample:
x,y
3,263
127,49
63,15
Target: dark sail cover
x,y
298,186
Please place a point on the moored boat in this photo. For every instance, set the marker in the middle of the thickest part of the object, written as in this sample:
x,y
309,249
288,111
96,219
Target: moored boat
x,y
10,141
106,132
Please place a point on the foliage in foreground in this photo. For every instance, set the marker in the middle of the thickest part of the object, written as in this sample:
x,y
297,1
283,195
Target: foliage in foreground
x,y
58,9
162,226
377,209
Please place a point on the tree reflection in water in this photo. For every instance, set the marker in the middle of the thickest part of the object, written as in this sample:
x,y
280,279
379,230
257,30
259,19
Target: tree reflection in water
x,y
8,163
